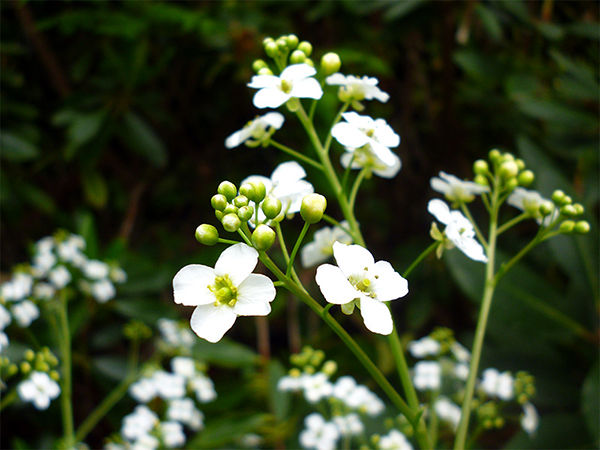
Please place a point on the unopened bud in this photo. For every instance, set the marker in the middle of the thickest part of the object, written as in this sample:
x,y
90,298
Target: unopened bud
x,y
230,209
231,222
263,237
271,49
271,206
25,367
29,354
508,170
582,227
54,375
228,189
258,65
511,184
245,213
480,167
546,208
567,200
240,200
520,164
481,180
219,215
297,57
495,156
282,44
292,41
309,62
567,227
265,71
218,202
329,368
313,207
254,190
525,178
207,234
305,47
558,196
579,209
330,63
568,210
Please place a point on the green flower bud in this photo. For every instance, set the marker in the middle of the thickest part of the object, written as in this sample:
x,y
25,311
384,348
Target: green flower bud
x,y
305,47
579,209
546,208
12,369
267,40
41,366
207,234
330,63
520,164
567,227
582,227
258,65
511,184
292,41
29,354
245,213
218,202
282,44
219,215
508,170
309,62
495,156
228,189
263,237
480,167
271,206
312,208
25,368
297,57
567,200
231,222
508,157
481,180
329,368
293,104
54,375
525,178
271,49
240,200
254,190
558,196
265,71
568,210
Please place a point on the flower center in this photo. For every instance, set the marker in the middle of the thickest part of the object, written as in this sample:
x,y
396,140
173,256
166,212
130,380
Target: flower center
x,y
286,86
370,132
363,284
224,291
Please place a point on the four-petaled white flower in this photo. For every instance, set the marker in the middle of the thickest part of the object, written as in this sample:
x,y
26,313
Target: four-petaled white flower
x,y
225,292
424,347
321,248
358,131
529,201
394,440
319,434
359,280
295,81
497,384
353,88
459,229
357,158
447,411
38,389
455,189
428,375
255,131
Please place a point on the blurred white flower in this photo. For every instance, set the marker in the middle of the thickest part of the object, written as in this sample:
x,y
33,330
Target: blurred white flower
x,y
38,389
366,157
529,201
143,390
496,384
447,411
60,277
394,440
183,366
96,270
3,341
257,130
203,387
5,317
295,81
316,386
427,375
321,248
25,312
138,423
349,425
18,287
319,434
455,189
169,385
171,434
355,88
424,347
184,410
103,290
43,291
530,419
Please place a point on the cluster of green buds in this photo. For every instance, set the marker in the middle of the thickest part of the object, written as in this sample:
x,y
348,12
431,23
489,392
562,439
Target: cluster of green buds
x,y
445,337
570,211
507,169
524,387
42,361
488,415
311,361
7,370
137,331
287,50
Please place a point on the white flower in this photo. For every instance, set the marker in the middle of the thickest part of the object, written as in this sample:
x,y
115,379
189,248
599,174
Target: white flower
x,y
319,434
428,375
460,353
204,388
358,88
43,291
183,366
287,185
3,340
359,280
530,419
359,130
366,157
461,371
497,384
316,387
5,317
145,442
343,387
143,390
184,410
294,82
103,290
321,248
349,425
171,433
530,201
290,383
174,334
459,229
70,250
38,389
18,287
45,245
25,312
169,385
394,440
42,263
362,399
455,189
60,277
225,292
96,270
139,423
424,347
256,130
447,411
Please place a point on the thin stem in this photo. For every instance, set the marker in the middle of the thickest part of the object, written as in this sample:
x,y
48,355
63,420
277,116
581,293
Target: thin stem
x,y
359,178
64,339
512,222
420,258
296,154
290,263
337,118
467,213
8,399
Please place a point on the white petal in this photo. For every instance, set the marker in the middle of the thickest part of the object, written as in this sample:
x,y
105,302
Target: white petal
x,y
287,172
389,285
336,79
352,259
190,285
376,315
297,72
274,119
389,171
264,81
254,295
334,286
307,88
348,135
383,153
473,250
439,185
238,138
212,322
270,98
238,261
440,210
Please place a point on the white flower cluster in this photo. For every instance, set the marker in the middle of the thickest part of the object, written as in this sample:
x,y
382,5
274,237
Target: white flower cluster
x,y
38,389
144,429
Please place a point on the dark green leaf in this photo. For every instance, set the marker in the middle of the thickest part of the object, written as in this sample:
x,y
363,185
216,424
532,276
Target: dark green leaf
x,y
590,395
402,8
280,401
82,129
95,188
141,139
15,148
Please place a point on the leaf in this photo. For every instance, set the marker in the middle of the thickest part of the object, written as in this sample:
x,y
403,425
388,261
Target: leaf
x,y
86,227
148,311
550,31
226,353
141,139
402,8
590,393
223,432
557,113
478,65
15,148
82,129
94,188
279,401
490,21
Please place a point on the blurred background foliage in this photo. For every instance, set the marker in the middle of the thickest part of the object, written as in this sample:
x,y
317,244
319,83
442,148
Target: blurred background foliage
x,y
113,117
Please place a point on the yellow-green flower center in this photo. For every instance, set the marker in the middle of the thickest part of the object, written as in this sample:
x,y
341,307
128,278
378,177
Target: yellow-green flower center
x,y
224,291
363,284
286,86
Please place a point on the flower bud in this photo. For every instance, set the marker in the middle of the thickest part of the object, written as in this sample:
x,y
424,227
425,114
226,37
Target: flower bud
x,y
25,367
12,369
228,189
582,227
207,234
330,63
568,210
511,184
508,157
329,368
230,209
54,375
481,180
508,170
219,215
267,40
218,202
567,200
525,178
258,65
271,49
579,209
265,71
282,44
309,62
297,57
263,237
495,156
567,227
231,222
546,208
29,354
245,213
254,190
312,208
520,164
240,200
292,41
305,47
271,206
293,104
557,196
480,167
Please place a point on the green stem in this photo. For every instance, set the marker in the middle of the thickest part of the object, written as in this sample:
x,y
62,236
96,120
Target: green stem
x,y
64,339
296,154
8,399
467,213
512,222
359,178
337,118
290,263
420,258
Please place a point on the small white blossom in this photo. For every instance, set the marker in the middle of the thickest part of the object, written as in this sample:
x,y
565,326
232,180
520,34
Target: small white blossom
x,y
25,312
461,371
459,229
96,270
290,383
295,81
3,340
359,280
366,157
529,201
184,410
455,189
316,387
394,440
171,434
358,131
143,390
138,423
169,385
256,131
43,262
424,347
70,250
102,290
530,419
349,425
18,287
365,401
43,291
5,317
358,89
38,389
319,434
428,375
204,388
496,384
321,248
183,366
343,387
225,292
145,442
59,277
174,334
447,411
460,353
